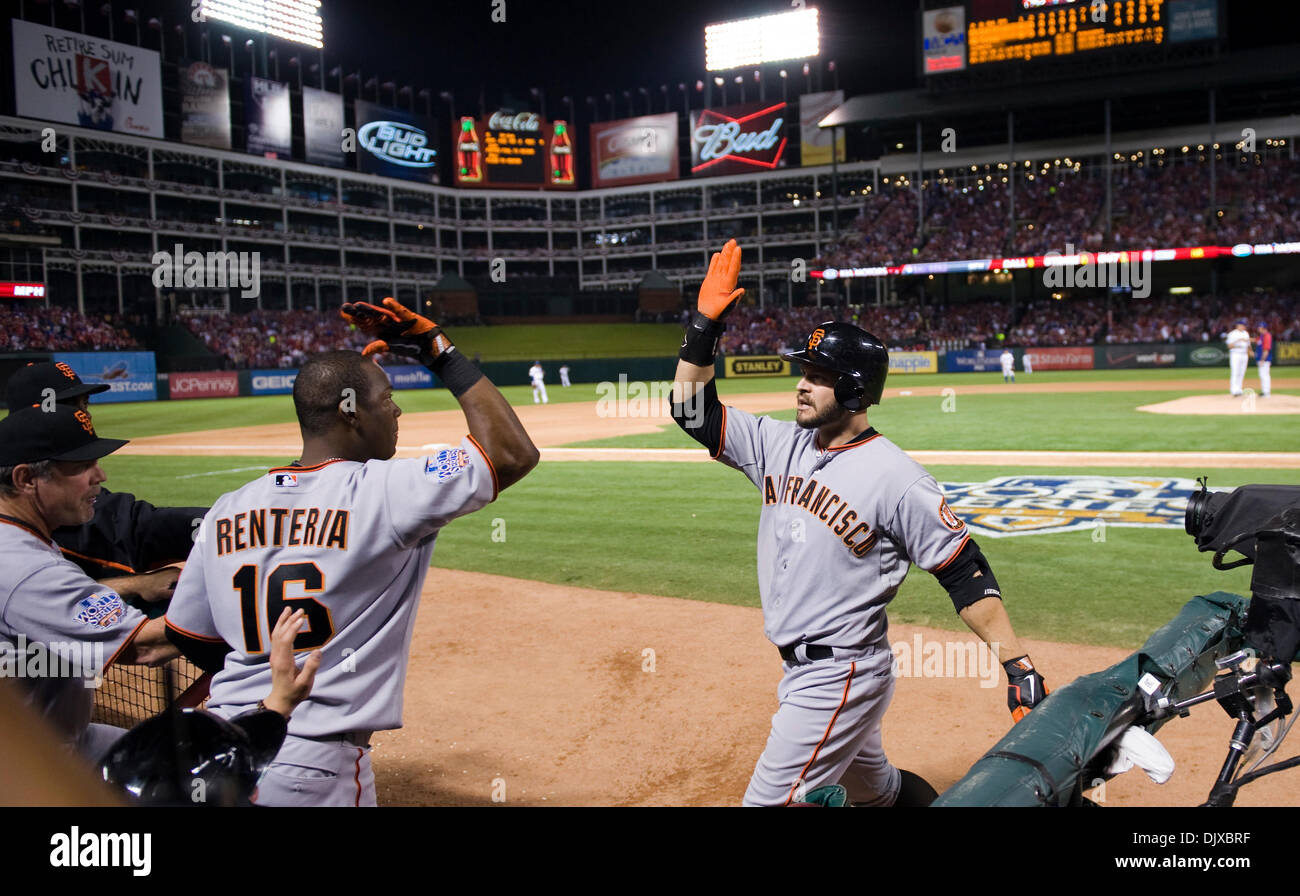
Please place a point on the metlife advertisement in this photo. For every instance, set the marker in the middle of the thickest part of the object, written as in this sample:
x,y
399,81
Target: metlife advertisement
x,y
395,143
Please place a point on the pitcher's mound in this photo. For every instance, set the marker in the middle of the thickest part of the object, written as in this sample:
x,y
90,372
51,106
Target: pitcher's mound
x,y
1227,404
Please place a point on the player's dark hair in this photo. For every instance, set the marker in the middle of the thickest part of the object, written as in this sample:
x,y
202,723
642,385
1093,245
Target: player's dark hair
x,y
319,388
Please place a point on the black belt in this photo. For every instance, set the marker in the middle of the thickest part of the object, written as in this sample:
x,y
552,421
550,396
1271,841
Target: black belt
x,y
813,652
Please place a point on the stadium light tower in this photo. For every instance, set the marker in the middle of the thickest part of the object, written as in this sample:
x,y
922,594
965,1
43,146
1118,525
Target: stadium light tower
x,y
292,20
788,35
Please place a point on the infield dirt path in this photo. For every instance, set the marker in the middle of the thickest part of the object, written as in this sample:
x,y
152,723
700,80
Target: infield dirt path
x,y
553,695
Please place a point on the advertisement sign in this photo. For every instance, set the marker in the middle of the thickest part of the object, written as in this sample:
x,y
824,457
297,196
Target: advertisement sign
x,y
974,359
814,142
1207,356
322,125
757,365
1132,356
272,382
203,384
409,376
205,105
88,81
131,376
943,47
1193,20
266,117
1287,353
510,149
395,143
913,362
738,139
634,150
1080,358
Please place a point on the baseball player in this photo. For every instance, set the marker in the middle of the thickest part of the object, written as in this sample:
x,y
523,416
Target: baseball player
x,y
564,376
535,373
844,515
1264,358
345,533
126,538
1026,363
1008,366
1238,356
50,477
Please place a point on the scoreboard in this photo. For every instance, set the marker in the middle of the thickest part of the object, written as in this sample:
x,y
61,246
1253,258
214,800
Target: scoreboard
x,y
1017,30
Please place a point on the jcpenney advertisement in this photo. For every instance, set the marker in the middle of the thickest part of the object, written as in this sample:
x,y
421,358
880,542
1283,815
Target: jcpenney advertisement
x,y
131,376
205,105
634,150
266,114
738,139
395,143
87,81
322,123
203,384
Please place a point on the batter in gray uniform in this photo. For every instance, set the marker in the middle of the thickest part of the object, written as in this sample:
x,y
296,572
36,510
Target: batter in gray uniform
x,y
845,513
346,535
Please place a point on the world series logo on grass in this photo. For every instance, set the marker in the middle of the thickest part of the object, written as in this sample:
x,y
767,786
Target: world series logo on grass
x,y
1034,505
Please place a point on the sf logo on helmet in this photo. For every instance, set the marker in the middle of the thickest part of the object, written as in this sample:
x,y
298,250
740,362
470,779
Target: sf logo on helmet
x,y
815,339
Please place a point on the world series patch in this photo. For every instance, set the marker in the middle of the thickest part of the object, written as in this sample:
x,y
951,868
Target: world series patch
x,y
100,610
1033,505
447,463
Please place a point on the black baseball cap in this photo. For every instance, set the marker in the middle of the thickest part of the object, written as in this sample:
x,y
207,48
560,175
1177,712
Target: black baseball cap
x,y
65,433
28,384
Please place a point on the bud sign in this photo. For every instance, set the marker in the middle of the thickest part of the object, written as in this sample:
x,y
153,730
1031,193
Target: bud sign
x,y
738,139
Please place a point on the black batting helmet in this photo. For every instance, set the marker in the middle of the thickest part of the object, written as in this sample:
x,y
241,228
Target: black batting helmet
x,y
193,757
861,360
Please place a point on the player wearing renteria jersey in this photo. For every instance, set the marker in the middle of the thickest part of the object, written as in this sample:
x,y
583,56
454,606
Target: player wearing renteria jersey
x,y
845,513
346,535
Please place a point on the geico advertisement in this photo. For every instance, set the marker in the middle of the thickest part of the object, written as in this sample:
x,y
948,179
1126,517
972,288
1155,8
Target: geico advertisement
x,y
758,365
913,362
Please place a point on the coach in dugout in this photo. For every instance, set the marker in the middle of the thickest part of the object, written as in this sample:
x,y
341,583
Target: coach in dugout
x,y
126,538
59,628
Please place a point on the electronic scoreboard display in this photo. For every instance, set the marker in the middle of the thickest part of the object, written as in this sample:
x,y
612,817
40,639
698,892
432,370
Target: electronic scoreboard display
x,y
1019,30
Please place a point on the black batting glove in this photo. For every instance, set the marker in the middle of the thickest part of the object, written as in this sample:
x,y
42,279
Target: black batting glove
x,y
1025,687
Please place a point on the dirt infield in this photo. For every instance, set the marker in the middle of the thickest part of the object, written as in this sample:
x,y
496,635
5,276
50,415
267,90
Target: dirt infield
x,y
1226,404
552,695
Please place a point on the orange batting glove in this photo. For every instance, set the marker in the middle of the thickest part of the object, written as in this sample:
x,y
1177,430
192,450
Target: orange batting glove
x,y
396,328
718,292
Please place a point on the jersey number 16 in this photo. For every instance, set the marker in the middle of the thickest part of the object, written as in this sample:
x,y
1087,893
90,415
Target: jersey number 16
x,y
320,627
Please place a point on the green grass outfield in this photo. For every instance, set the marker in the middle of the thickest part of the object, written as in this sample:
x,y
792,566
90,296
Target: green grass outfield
x,y
689,530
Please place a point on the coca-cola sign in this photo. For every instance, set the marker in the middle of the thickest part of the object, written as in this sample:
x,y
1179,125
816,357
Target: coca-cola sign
x,y
526,122
738,139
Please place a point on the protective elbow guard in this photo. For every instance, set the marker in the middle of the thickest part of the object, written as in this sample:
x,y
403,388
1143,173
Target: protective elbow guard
x,y
968,578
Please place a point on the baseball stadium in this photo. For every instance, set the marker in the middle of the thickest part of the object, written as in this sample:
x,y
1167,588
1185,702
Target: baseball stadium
x,y
1070,229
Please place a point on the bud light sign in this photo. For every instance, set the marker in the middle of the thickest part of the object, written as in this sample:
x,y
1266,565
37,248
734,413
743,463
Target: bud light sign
x,y
395,143
738,139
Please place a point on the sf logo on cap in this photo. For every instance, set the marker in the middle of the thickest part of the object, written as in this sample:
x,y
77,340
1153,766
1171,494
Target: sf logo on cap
x,y
816,337
65,370
84,419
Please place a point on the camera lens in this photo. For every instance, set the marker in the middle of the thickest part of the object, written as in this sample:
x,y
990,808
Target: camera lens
x,y
1194,519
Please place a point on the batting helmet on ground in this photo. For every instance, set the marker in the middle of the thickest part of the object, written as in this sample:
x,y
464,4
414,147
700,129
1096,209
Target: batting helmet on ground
x,y
861,360
194,757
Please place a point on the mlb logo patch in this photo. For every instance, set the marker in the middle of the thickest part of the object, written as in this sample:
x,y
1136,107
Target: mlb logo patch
x,y
286,480
100,610
446,464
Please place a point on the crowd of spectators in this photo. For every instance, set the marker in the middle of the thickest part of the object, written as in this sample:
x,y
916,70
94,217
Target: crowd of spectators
x,y
271,339
31,327
1044,322
1152,205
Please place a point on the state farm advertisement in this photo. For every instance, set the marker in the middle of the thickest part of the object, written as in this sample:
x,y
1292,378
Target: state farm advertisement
x,y
1063,358
738,139
203,384
634,150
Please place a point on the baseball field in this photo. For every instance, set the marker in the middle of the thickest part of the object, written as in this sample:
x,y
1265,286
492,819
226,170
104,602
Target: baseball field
x,y
594,636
